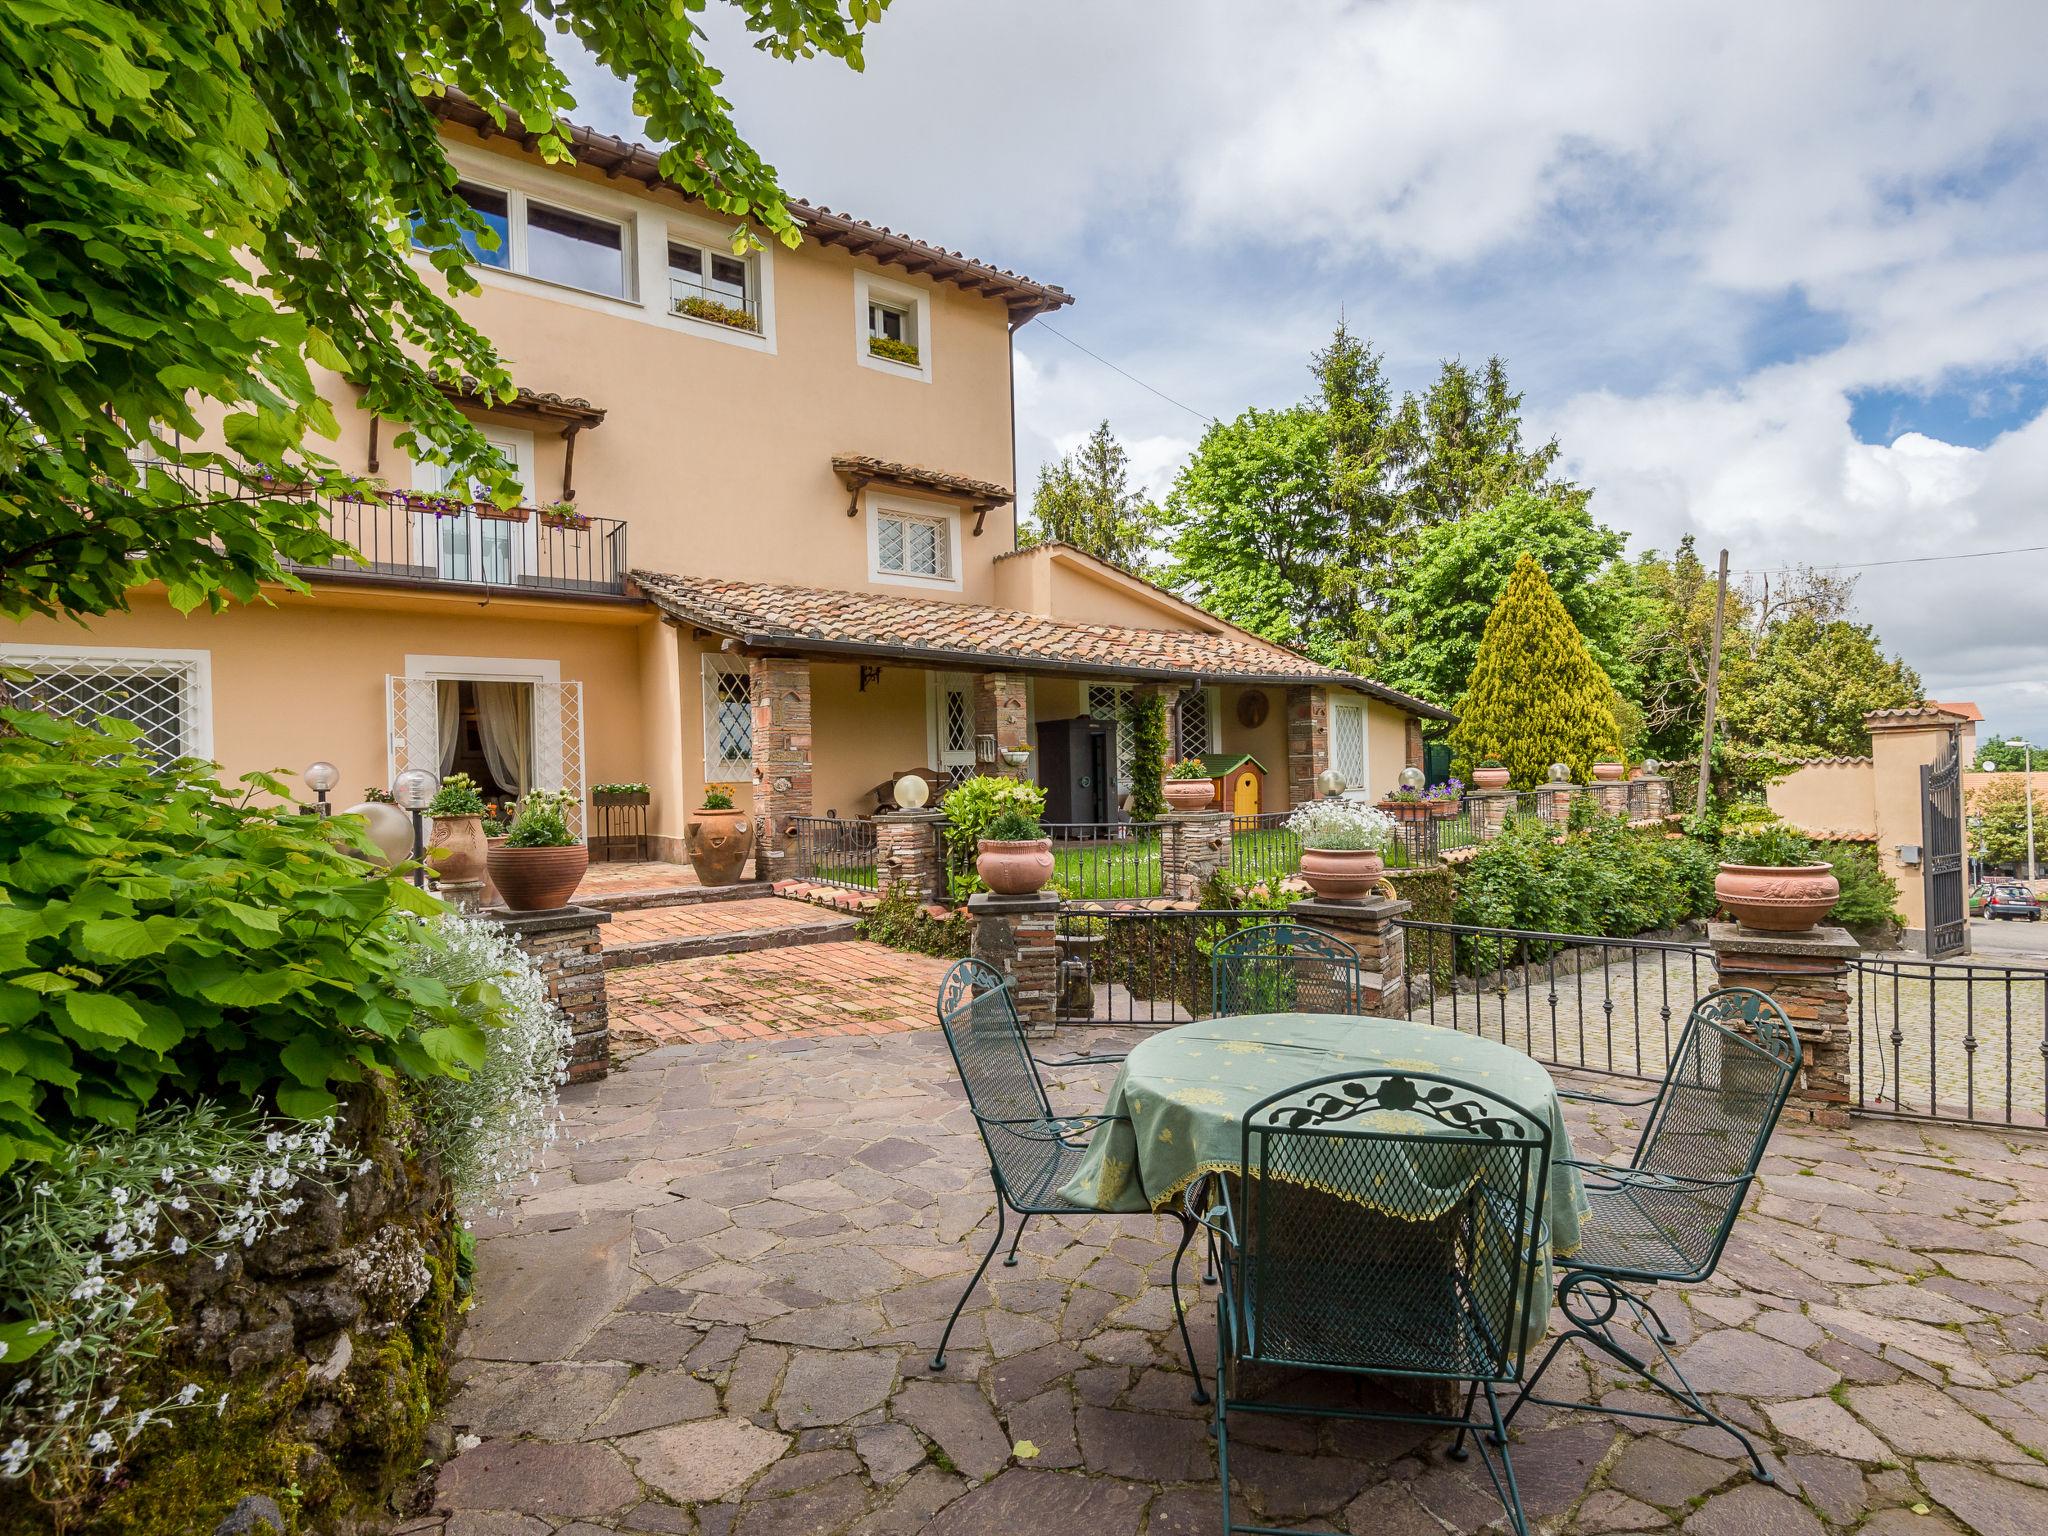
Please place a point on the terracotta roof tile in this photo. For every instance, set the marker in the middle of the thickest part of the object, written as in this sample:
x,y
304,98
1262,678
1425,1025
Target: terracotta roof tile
x,y
857,469
826,620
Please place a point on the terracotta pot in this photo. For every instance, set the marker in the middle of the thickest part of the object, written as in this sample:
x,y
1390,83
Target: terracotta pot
x,y
1406,810
455,848
1491,778
490,885
1014,869
718,843
1342,874
1190,794
1609,773
537,879
1777,900
1442,807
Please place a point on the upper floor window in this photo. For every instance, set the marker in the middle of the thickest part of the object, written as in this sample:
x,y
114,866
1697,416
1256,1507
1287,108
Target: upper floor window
x,y
913,545
706,283
547,241
894,326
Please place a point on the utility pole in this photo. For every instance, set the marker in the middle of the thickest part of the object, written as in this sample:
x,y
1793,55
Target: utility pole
x,y
1713,684
2030,811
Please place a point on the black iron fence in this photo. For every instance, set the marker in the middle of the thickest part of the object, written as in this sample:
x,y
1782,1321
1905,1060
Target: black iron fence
x,y
1263,849
1141,968
832,851
1106,861
1951,1040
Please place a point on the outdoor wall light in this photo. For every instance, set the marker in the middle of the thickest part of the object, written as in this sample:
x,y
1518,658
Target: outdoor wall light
x,y
1331,783
1560,774
1413,778
414,790
911,793
320,777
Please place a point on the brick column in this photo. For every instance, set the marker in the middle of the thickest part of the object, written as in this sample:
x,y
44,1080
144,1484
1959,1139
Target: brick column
x,y
1308,742
1489,810
1001,711
1554,802
1367,926
1808,976
1612,795
781,691
1412,742
1194,848
907,854
564,946
1019,936
1658,787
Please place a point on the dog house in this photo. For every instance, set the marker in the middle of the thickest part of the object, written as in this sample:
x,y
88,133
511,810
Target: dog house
x,y
1240,782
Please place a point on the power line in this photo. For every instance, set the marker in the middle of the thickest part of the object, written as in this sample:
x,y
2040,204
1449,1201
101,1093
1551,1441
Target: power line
x,y
1113,368
1865,565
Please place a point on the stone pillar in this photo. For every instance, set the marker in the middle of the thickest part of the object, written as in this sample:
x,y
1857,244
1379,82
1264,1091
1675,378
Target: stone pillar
x,y
1412,742
1368,926
1807,974
1554,802
781,691
907,854
465,896
1001,711
1308,742
1489,810
1612,796
1656,793
1019,936
1194,848
564,945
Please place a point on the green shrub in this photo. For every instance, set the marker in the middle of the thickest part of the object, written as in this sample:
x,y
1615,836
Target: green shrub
x,y
457,796
971,810
1870,898
726,314
895,351
900,921
1145,717
163,938
542,821
1770,847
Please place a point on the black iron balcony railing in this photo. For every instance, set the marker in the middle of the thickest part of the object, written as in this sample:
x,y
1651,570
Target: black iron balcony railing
x,y
427,539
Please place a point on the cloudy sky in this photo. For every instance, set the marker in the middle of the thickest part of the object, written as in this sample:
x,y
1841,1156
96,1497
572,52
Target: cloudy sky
x,y
1775,275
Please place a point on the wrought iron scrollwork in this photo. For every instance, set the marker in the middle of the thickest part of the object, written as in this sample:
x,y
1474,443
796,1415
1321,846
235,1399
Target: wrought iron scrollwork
x,y
1366,1096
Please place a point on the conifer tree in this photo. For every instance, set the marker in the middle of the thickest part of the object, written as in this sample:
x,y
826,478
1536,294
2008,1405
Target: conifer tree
x,y
1536,696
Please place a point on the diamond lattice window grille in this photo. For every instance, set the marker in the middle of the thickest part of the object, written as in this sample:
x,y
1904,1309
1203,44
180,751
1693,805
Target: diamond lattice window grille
x,y
1193,709
915,546
162,696
959,721
1347,743
1107,701
728,720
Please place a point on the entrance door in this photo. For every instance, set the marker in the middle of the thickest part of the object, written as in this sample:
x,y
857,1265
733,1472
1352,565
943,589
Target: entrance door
x,y
952,726
412,708
487,550
1941,853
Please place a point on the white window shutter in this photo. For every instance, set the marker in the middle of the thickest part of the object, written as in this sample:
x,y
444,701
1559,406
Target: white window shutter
x,y
413,725
558,744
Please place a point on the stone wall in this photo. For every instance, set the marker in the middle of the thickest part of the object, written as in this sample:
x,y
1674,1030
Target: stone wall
x,y
1807,975
784,780
907,854
565,947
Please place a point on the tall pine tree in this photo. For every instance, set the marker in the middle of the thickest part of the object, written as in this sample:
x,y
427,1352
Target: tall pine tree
x,y
1536,696
1086,500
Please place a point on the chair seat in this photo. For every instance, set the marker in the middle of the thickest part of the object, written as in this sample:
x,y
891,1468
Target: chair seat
x,y
1035,1167
1646,1234
1428,1331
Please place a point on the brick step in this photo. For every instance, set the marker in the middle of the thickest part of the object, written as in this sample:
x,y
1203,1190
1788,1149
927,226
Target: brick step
x,y
675,896
699,946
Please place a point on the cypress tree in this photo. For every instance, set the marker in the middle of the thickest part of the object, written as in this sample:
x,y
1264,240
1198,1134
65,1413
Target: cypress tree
x,y
1535,696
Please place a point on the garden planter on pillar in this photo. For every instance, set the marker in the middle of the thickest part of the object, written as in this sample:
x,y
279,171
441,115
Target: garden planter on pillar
x,y
537,879
1777,899
1014,869
1491,778
1190,794
718,845
1609,772
1406,810
456,850
1342,874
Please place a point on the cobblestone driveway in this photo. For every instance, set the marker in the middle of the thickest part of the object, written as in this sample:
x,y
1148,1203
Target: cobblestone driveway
x,y
714,1318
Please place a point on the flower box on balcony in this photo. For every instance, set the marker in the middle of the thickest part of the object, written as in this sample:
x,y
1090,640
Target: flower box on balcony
x,y
283,487
893,351
717,314
491,512
563,517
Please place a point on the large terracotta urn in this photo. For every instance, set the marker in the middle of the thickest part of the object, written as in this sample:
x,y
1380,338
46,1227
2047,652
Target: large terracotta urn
x,y
1777,899
1491,778
1342,874
1609,772
456,849
718,843
1014,869
1190,794
537,879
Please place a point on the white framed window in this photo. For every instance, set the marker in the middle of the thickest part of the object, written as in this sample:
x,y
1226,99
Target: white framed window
x,y
472,548
1198,715
728,718
711,285
913,543
1347,746
892,327
1108,702
551,240
168,693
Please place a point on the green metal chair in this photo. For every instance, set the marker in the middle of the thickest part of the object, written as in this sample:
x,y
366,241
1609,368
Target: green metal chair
x,y
1283,968
1667,1215
1032,1152
1312,1280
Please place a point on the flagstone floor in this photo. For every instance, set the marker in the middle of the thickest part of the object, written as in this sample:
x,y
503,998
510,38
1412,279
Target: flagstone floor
x,y
713,1316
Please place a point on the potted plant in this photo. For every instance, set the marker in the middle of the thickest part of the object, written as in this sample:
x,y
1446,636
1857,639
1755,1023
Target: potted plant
x,y
539,865
1770,878
718,838
622,794
1443,799
1405,804
491,512
1189,786
1342,843
904,352
457,845
1013,855
563,514
1491,773
1609,770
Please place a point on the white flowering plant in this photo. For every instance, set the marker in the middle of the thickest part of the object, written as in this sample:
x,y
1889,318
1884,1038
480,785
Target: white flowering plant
x,y
1343,826
77,1313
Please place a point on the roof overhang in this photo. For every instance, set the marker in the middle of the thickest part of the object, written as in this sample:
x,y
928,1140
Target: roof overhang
x,y
858,471
573,414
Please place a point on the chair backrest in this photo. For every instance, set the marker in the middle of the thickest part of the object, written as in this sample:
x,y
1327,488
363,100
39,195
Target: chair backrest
x,y
979,1015
1390,1225
1283,968
1730,1074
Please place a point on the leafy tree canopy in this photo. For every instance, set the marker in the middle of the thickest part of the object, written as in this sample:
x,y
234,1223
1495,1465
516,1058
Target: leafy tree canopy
x,y
1086,499
1802,687
2003,753
1998,822
203,196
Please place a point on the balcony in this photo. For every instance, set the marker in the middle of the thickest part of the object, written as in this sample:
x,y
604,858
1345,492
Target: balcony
x,y
416,539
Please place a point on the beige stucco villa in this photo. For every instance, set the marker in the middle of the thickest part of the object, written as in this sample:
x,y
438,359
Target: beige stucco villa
x,y
791,563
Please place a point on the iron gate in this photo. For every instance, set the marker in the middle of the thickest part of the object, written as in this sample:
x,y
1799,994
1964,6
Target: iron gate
x,y
1941,853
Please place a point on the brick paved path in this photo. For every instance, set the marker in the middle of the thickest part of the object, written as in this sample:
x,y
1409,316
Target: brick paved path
x,y
713,1318
697,919
848,988
625,877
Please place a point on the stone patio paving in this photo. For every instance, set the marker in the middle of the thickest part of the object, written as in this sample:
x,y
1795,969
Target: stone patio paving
x,y
714,1315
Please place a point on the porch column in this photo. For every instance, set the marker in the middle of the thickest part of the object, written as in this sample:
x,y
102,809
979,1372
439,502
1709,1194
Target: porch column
x,y
780,687
1308,741
1807,975
1001,711
661,722
1412,741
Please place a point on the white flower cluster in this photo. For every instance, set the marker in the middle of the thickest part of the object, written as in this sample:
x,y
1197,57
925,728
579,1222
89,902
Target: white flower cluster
x,y
1342,825
75,1235
492,1129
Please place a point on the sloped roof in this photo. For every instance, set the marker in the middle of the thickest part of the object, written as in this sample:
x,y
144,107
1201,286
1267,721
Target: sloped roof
x,y
828,621
1964,708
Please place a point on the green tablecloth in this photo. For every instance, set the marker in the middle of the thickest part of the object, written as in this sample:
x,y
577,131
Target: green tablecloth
x,y
1183,1093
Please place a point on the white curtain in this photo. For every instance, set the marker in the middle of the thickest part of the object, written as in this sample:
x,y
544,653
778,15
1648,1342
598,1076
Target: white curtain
x,y
504,717
448,722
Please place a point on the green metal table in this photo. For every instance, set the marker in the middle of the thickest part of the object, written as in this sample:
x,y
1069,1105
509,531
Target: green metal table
x,y
1181,1096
